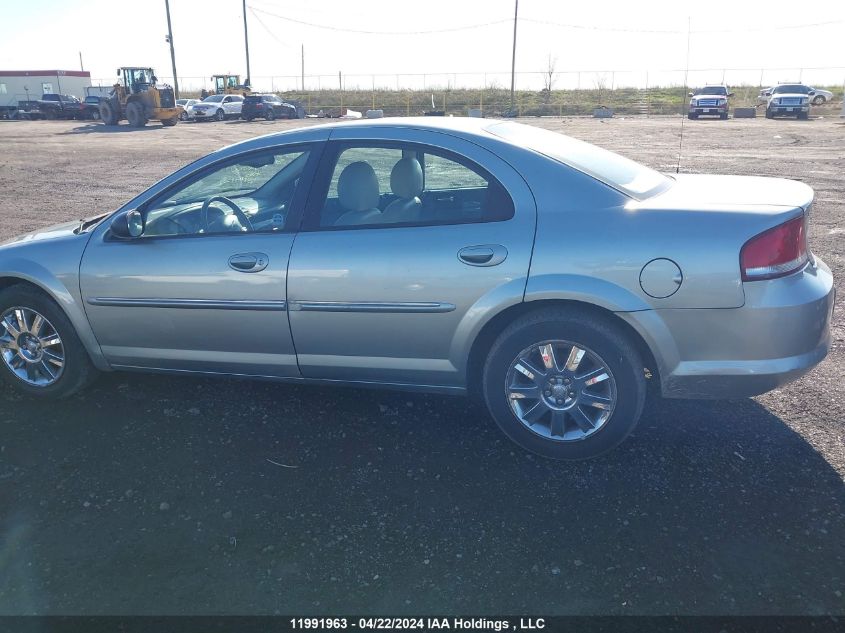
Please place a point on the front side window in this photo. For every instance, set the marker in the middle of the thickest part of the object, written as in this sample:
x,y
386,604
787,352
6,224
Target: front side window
x,y
251,193
410,185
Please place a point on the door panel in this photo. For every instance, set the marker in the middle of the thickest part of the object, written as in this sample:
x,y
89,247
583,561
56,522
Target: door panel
x,y
384,304
179,304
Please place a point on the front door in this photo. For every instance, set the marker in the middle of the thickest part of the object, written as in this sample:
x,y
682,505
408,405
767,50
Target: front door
x,y
403,248
203,289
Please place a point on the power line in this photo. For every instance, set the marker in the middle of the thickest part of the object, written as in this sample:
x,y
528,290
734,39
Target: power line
x,y
609,29
369,32
546,22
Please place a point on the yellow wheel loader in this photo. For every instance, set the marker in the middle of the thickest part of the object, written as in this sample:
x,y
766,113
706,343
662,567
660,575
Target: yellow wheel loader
x,y
138,98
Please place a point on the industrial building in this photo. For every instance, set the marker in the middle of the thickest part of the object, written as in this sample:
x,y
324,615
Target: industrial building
x,y
23,85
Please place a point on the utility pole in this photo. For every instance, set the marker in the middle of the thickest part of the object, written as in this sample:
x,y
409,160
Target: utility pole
x,y
246,45
513,58
303,67
81,67
172,50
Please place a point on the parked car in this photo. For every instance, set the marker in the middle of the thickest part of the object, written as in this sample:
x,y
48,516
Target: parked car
x,y
187,108
709,101
548,276
819,97
218,107
267,106
789,100
90,108
56,106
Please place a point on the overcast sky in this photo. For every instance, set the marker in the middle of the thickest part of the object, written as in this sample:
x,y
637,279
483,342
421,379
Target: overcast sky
x,y
628,36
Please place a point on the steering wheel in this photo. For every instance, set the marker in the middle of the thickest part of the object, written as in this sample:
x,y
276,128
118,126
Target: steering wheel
x,y
242,218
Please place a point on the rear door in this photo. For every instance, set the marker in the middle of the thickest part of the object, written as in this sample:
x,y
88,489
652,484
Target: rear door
x,y
393,299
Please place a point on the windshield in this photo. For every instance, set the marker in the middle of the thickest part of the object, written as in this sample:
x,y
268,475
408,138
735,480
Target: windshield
x,y
712,90
633,179
791,88
214,99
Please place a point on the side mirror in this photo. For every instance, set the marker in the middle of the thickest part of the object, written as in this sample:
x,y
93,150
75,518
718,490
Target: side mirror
x,y
811,93
730,94
691,94
128,225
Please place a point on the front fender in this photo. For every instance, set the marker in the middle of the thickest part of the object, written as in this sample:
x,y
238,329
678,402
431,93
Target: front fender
x,y
63,288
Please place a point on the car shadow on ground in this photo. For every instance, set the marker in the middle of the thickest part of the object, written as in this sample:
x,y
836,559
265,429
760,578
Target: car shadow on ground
x,y
152,494
101,128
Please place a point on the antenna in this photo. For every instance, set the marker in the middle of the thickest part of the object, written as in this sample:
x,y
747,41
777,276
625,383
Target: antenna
x,y
686,89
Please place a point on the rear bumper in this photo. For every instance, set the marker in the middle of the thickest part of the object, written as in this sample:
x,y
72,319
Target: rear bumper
x,y
781,333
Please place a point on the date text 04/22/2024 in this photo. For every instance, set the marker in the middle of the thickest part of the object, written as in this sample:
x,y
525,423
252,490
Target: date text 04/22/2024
x,y
410,623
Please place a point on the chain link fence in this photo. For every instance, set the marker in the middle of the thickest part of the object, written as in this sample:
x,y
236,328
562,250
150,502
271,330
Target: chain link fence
x,y
540,93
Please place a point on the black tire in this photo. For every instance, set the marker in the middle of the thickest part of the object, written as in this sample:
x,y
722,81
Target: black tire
x,y
271,115
183,116
220,115
248,118
692,116
135,114
818,100
51,115
78,371
724,116
109,112
583,328
769,114
803,116
170,122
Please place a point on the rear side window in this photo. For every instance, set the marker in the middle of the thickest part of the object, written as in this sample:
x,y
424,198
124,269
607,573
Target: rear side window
x,y
623,174
409,185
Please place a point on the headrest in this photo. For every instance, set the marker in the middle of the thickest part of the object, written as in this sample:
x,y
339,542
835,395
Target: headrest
x,y
406,178
357,187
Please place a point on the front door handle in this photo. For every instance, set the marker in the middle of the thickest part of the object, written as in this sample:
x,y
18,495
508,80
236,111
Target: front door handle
x,y
483,255
249,262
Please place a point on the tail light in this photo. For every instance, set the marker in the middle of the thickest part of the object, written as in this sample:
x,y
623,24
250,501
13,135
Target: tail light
x,y
775,253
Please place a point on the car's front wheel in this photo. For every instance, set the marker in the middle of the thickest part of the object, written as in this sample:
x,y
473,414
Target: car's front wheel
x,y
41,353
564,384
221,115
818,100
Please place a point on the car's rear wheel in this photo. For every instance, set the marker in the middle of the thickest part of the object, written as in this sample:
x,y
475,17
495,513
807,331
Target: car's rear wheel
x,y
564,384
41,353
183,116
271,114
221,115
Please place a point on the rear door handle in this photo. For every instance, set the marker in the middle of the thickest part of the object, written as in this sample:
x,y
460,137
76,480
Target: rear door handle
x,y
249,262
483,255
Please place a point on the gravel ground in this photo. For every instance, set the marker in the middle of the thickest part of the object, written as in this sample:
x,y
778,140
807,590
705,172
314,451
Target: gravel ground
x,y
150,494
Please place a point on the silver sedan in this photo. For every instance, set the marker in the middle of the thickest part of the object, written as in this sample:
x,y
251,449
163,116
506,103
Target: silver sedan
x,y
550,278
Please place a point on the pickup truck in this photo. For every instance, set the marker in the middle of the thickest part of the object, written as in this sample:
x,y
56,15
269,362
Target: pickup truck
x,y
56,106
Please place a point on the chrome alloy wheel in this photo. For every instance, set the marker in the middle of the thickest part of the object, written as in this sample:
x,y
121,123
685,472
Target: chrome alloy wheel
x,y
31,347
561,391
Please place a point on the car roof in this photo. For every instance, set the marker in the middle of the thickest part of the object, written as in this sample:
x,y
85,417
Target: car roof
x,y
468,128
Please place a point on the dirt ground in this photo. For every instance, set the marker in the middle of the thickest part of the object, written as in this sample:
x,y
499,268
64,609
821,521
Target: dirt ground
x,y
150,495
